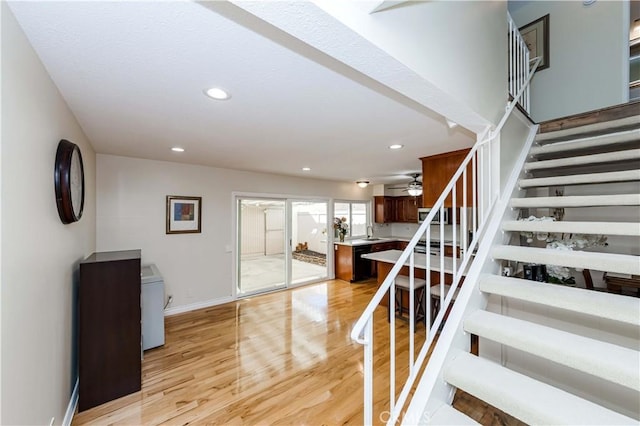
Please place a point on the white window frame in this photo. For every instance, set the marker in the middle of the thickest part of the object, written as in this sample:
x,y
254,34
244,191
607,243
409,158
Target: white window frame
x,y
368,220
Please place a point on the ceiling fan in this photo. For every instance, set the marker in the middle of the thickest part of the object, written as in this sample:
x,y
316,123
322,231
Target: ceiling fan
x,y
414,188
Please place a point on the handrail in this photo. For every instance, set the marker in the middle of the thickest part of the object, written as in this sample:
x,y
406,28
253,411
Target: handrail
x,y
377,298
484,194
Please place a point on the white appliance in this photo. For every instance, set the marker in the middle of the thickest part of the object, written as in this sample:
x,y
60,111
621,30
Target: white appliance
x,y
152,298
423,212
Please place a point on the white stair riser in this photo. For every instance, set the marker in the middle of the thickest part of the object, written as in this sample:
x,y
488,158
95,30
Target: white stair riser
x,y
609,157
577,201
529,400
590,142
610,362
576,131
604,228
603,305
582,179
620,263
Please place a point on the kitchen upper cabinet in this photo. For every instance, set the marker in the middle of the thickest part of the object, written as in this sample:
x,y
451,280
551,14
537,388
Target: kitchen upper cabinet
x,y
437,171
410,208
397,209
384,209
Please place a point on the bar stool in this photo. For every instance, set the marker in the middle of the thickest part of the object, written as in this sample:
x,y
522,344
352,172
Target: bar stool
x,y
435,298
402,287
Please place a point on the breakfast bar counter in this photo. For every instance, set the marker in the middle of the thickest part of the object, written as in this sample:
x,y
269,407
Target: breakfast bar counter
x,y
420,260
386,259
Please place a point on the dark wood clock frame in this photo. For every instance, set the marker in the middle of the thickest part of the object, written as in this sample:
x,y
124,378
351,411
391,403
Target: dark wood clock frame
x,y
62,181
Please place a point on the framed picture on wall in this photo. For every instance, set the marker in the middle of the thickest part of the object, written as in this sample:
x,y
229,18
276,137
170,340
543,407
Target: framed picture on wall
x,y
184,214
536,37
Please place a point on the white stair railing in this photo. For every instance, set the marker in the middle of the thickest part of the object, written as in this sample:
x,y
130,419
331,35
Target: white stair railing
x,y
518,64
473,189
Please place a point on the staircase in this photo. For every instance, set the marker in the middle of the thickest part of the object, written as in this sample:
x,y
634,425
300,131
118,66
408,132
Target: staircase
x,y
543,341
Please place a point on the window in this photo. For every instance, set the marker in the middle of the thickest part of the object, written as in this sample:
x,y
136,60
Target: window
x,y
357,215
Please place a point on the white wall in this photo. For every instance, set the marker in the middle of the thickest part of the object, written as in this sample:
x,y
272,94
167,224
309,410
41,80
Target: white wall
x,y
458,46
197,267
512,139
40,255
589,56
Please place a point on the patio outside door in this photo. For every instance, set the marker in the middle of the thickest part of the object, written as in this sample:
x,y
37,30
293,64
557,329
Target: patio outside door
x,y
280,243
262,262
309,241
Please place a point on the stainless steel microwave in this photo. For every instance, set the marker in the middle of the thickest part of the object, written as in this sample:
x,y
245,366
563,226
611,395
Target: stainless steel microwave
x,y
423,212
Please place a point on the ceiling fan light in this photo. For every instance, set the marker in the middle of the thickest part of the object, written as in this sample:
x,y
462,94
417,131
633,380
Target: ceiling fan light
x,y
414,189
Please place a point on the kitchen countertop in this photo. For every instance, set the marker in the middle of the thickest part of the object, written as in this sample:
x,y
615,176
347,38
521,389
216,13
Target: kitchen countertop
x,y
420,260
364,242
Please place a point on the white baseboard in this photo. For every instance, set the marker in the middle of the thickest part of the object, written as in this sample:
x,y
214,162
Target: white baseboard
x,y
197,305
71,408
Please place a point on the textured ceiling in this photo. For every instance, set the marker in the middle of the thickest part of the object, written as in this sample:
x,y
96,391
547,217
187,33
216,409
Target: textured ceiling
x,y
134,74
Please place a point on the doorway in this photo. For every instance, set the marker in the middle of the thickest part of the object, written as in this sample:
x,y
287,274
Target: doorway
x,y
280,243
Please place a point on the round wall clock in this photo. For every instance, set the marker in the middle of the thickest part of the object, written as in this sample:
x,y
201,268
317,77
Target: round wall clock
x,y
69,182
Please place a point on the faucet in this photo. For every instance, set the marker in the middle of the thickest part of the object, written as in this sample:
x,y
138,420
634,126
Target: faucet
x,y
369,227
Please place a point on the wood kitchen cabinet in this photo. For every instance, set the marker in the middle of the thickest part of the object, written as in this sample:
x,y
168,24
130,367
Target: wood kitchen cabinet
x,y
410,208
343,262
396,209
349,264
109,327
437,171
384,209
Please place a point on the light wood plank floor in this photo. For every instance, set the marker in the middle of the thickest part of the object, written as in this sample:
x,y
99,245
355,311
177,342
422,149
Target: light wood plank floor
x,y
280,358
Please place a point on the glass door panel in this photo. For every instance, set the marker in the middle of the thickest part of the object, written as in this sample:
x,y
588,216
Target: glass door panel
x,y
262,260
308,241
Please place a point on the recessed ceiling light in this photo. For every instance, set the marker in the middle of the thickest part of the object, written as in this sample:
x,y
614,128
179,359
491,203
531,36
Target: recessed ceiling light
x,y
217,93
306,169
395,146
177,149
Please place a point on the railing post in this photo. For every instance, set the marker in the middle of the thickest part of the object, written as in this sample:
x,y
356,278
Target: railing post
x,y
368,372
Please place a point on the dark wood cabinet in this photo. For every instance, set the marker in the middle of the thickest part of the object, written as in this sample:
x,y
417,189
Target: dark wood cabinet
x,y
349,264
437,171
343,259
109,327
410,208
396,209
384,209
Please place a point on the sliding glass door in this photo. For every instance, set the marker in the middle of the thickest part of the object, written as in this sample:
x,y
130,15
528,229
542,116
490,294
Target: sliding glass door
x,y
261,245
280,243
309,241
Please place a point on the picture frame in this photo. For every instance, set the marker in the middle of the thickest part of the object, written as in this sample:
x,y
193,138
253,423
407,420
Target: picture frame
x,y
184,215
536,37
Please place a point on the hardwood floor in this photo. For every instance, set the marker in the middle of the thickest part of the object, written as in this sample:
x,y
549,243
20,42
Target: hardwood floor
x,y
280,358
